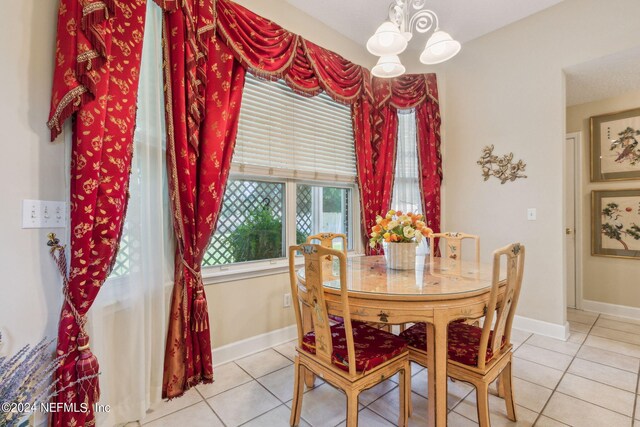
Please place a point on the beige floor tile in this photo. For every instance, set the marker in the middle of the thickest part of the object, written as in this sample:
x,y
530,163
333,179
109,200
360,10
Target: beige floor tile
x,y
163,408
609,358
278,417
543,356
280,383
599,394
613,345
415,368
243,403
456,390
368,396
518,336
576,412
324,406
287,349
580,316
564,347
579,327
262,363
618,325
388,407
577,337
529,395
637,413
614,334
497,412
456,420
604,374
548,422
368,418
536,373
198,415
225,377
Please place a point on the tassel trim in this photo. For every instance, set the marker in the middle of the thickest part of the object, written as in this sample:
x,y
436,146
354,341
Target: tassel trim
x,y
69,104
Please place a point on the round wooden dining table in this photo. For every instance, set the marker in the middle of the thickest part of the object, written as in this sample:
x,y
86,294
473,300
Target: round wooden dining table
x,y
435,292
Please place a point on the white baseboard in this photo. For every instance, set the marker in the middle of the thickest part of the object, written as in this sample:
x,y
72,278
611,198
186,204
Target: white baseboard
x,y
612,309
248,346
553,330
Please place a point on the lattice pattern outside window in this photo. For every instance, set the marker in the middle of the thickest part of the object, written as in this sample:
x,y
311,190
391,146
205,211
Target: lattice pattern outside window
x,y
251,221
322,209
122,266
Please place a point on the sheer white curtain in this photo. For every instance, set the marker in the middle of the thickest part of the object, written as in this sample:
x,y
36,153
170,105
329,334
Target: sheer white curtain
x,y
128,319
406,186
406,194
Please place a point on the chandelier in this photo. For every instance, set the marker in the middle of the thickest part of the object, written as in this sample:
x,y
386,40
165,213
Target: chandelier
x,y
392,37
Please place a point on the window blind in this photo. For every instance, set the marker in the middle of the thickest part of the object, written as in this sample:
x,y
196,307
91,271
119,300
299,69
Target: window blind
x,y
406,191
285,134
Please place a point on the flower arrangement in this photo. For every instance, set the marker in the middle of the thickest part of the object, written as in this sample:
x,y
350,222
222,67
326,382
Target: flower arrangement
x,y
399,227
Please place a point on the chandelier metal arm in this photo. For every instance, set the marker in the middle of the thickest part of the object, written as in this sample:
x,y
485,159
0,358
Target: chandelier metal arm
x,y
422,21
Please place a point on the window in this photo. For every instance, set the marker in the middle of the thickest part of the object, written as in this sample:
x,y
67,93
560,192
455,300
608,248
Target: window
x,y
293,175
250,227
406,191
321,209
406,184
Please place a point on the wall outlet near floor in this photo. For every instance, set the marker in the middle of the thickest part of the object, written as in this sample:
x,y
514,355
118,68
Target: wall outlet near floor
x,y
44,214
287,300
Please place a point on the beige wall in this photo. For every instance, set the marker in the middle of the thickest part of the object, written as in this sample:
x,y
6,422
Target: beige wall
x,y
507,89
30,168
607,280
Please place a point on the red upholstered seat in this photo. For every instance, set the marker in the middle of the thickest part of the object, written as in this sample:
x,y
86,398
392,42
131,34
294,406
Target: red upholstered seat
x,y
463,341
372,346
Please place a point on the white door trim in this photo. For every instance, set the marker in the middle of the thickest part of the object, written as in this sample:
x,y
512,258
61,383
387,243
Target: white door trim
x,y
578,212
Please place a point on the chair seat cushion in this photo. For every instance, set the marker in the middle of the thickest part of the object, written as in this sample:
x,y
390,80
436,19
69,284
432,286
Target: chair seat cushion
x,y
372,346
463,341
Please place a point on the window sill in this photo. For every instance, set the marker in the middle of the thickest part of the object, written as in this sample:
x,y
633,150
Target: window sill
x,y
216,275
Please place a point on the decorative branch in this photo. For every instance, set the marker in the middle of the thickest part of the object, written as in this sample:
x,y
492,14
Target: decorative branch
x,y
502,168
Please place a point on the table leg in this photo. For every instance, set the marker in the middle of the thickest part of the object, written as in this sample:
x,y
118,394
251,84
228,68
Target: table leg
x,y
437,366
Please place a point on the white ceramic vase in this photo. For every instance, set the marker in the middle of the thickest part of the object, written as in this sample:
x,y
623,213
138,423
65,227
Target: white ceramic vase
x,y
400,256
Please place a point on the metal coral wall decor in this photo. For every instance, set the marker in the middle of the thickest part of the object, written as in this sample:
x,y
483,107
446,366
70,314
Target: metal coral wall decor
x,y
502,168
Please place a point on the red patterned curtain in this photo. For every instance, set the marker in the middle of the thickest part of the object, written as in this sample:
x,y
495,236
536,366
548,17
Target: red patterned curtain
x,y
203,84
96,77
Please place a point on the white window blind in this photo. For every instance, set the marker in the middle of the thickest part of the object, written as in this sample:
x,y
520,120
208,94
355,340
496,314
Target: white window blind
x,y
284,134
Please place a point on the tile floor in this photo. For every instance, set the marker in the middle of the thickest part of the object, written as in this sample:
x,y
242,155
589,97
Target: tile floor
x,y
589,380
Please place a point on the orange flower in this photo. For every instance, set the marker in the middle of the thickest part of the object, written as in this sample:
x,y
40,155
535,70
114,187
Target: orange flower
x,y
398,213
376,229
385,222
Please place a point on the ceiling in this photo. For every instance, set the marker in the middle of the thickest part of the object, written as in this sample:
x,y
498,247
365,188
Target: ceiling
x,y
604,77
464,19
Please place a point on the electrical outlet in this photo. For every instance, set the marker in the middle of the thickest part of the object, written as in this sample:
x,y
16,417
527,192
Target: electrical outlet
x,y
43,214
532,214
287,300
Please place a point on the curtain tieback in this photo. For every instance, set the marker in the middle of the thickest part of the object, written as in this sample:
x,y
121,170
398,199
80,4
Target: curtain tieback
x,y
200,318
87,368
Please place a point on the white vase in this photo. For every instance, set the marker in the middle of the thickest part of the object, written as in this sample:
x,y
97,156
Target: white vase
x,y
400,256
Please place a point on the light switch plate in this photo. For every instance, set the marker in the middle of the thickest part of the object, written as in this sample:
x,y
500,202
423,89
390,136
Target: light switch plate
x,y
532,214
44,214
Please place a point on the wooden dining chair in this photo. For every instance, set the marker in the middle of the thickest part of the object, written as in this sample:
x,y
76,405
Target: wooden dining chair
x,y
480,355
452,245
327,239
350,356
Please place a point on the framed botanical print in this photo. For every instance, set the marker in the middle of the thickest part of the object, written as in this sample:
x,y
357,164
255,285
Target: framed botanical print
x,y
615,147
615,223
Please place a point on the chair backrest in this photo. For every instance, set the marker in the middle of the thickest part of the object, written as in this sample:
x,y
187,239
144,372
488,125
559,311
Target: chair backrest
x,y
326,240
504,313
452,245
312,295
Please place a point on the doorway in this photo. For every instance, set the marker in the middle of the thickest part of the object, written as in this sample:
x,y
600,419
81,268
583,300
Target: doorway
x,y
572,230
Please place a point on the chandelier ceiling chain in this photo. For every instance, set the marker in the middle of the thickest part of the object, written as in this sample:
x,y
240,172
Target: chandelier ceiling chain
x,y
392,37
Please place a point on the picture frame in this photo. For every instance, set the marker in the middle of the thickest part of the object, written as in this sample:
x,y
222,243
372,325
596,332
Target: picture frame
x,y
615,223
615,146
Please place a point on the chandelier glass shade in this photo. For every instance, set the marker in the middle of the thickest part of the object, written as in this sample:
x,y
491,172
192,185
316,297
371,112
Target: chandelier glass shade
x,y
392,38
388,66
